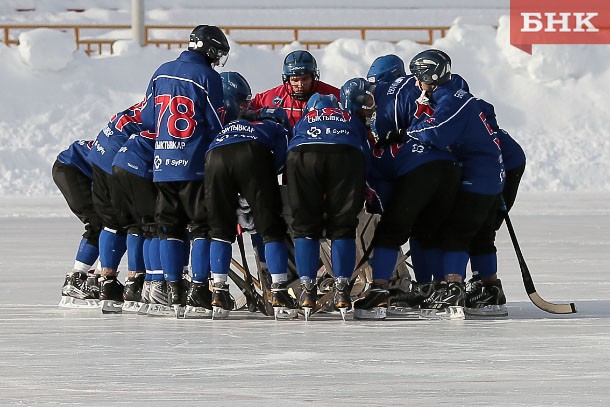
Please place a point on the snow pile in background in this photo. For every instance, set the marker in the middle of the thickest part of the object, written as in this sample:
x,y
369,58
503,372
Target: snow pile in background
x,y
551,102
44,49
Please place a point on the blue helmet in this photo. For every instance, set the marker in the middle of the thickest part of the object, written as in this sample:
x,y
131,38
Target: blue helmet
x,y
356,95
317,101
210,41
385,69
299,63
237,94
432,67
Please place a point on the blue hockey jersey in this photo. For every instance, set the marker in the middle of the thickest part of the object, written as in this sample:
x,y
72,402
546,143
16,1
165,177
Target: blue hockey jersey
x,y
330,126
112,137
76,156
184,105
136,155
273,135
455,122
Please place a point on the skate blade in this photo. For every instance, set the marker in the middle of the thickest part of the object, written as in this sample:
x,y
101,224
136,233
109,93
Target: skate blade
x,y
306,313
191,312
488,311
220,313
343,312
373,313
131,306
450,313
143,309
160,310
76,303
285,313
403,311
112,307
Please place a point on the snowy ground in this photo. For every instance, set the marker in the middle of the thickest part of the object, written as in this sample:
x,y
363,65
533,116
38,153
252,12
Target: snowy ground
x,y
50,357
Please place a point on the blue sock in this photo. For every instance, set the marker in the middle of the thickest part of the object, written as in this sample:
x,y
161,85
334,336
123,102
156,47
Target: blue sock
x,y
135,252
146,253
277,254
343,257
434,263
172,258
259,246
455,263
112,248
420,268
200,259
307,254
220,257
154,257
87,253
484,265
383,262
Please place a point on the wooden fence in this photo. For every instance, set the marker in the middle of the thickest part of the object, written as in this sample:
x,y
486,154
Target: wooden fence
x,y
98,39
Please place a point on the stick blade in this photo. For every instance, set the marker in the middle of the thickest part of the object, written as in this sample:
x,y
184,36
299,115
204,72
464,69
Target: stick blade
x,y
550,307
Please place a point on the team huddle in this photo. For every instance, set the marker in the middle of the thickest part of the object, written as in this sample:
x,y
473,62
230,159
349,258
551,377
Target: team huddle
x,y
175,179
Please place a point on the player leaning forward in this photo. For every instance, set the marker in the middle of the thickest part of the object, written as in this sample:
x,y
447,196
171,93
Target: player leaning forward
x,y
184,101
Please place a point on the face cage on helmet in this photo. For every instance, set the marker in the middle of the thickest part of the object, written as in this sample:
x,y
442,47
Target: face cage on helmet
x,y
222,58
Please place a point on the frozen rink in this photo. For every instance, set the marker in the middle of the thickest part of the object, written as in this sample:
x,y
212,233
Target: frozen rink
x,y
55,357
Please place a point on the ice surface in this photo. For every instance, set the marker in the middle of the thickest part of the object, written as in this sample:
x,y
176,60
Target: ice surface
x,y
50,356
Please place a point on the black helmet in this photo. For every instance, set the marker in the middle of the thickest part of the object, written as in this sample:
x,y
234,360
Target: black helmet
x,y
298,63
210,41
432,67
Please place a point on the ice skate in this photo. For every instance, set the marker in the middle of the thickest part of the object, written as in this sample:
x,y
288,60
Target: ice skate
x,y
374,305
222,303
177,297
447,302
409,303
342,300
485,299
159,300
145,298
132,294
80,290
308,298
284,306
111,295
198,301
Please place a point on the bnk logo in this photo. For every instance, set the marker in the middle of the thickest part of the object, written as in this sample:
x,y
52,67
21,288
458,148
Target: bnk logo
x,y
559,22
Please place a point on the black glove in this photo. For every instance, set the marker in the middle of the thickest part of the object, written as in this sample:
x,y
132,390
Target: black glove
x,y
392,137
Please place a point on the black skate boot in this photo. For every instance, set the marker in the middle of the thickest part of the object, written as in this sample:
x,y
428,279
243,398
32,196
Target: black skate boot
x,y
159,300
447,302
284,305
342,300
111,295
222,303
177,296
485,299
77,293
374,305
308,298
410,302
198,301
132,294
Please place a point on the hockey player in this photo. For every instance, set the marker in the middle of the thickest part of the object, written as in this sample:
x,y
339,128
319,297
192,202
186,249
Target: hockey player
x,y
326,181
300,80
244,159
72,174
113,237
184,108
414,183
485,295
455,121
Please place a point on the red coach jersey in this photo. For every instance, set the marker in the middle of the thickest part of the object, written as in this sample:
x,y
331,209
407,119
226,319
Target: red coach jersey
x,y
279,97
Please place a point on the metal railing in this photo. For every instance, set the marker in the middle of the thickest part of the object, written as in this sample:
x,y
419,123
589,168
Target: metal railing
x,y
99,39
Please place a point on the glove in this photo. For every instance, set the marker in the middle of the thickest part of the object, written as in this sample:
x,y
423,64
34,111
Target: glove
x,y
277,114
392,137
